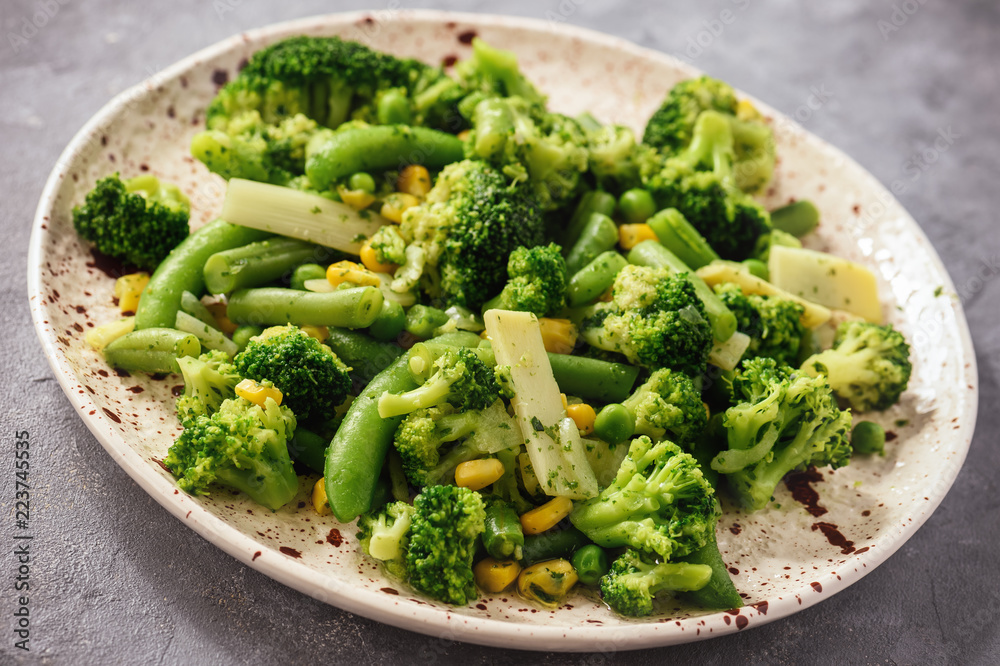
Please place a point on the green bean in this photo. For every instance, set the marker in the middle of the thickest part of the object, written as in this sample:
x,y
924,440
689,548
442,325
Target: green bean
x,y
595,278
390,321
242,335
362,181
677,235
719,593
151,350
367,357
192,305
614,424
308,448
359,447
377,148
393,108
653,254
256,264
552,544
636,205
757,267
457,339
797,219
598,235
868,437
356,307
399,487
591,563
422,320
182,271
503,537
595,201
306,272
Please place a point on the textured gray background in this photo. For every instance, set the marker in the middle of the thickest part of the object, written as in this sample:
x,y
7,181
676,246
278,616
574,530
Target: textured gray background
x,y
118,580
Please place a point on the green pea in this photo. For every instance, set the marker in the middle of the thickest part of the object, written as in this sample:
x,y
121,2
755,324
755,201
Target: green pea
x,y
591,563
361,181
868,437
306,272
636,205
614,424
393,108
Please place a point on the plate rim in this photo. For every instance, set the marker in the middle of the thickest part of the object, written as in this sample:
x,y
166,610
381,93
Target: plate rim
x,y
434,621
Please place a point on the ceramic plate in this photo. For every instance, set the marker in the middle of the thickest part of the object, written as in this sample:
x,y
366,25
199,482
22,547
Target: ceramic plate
x,y
783,559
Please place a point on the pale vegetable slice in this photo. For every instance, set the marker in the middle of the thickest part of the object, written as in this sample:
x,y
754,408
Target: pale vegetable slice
x,y
552,440
713,274
825,279
727,355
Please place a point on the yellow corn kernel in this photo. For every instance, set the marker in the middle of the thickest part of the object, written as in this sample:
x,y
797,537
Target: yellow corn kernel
x,y
348,271
256,393
218,311
463,135
102,336
583,416
356,199
708,412
321,333
128,289
546,583
562,396
558,335
630,235
546,516
493,576
414,179
319,500
477,474
396,204
370,260
745,110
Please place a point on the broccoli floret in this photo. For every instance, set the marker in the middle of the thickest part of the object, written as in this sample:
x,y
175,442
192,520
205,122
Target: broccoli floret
x,y
493,71
616,159
672,128
536,281
781,420
529,144
731,221
869,365
774,324
459,239
654,318
384,535
668,404
138,221
242,446
659,503
459,378
634,580
446,524
309,375
389,245
209,379
423,437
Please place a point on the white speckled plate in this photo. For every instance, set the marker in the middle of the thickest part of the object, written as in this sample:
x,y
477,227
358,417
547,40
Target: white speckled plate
x,y
783,559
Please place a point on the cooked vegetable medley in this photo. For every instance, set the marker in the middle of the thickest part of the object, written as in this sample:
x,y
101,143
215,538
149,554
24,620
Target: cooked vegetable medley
x,y
524,350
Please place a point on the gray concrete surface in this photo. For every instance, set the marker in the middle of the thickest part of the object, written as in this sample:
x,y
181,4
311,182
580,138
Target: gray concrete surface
x,y
115,579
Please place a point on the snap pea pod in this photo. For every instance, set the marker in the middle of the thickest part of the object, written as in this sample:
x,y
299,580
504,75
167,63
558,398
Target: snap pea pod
x,y
377,148
356,307
182,271
151,350
552,544
594,279
358,449
366,356
503,537
719,593
598,235
258,263
653,254
595,201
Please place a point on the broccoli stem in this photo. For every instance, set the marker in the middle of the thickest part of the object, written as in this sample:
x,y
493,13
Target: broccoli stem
x,y
297,214
598,235
270,306
594,279
433,392
653,254
152,350
258,263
